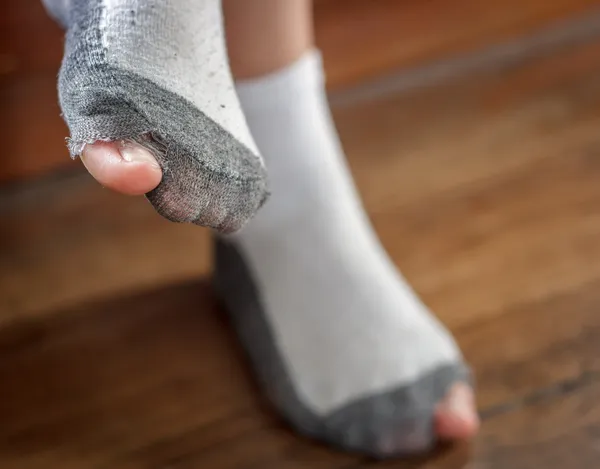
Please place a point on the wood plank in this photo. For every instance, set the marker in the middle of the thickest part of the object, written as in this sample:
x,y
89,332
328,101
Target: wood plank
x,y
32,130
156,380
30,41
64,225
363,39
116,386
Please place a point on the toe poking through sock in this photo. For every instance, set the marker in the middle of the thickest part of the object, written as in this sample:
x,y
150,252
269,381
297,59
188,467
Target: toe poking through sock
x,y
125,167
456,417
133,152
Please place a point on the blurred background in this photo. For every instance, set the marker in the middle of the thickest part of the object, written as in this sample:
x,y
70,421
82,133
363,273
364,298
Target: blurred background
x,y
473,131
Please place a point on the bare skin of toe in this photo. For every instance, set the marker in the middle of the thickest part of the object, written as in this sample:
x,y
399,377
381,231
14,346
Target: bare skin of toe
x,y
456,415
124,167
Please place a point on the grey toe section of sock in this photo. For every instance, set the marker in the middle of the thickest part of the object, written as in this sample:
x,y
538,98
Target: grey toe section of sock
x,y
400,421
209,177
389,424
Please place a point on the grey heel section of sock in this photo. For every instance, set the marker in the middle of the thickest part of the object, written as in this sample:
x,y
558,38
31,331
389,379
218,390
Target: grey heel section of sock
x,y
389,424
209,177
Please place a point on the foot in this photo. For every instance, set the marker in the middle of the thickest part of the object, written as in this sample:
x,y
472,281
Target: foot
x,y
154,75
131,170
340,342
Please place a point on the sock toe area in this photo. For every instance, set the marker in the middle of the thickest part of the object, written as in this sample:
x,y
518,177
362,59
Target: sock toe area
x,y
395,423
209,177
222,200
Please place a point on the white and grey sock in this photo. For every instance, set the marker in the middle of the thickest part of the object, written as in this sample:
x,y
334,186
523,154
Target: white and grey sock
x,y
340,342
156,72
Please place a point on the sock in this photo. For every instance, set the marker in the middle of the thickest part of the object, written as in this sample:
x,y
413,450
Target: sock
x,y
339,341
156,72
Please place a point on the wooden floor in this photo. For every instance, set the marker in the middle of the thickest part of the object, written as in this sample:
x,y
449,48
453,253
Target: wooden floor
x,y
114,353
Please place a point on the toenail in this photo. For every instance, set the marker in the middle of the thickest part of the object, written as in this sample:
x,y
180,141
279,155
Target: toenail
x,y
134,153
458,403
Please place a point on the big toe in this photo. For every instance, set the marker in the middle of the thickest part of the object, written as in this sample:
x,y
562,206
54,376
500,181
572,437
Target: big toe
x,y
456,416
122,166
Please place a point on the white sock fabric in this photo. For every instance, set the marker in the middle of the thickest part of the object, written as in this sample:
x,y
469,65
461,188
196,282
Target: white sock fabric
x,y
362,356
186,54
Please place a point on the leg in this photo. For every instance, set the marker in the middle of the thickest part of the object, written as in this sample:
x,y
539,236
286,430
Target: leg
x,y
148,96
252,26
342,345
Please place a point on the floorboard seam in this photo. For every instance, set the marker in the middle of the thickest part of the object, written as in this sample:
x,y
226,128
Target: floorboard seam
x,y
559,389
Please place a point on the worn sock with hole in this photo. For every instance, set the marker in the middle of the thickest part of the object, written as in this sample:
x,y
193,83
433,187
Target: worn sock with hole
x,y
156,72
340,342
